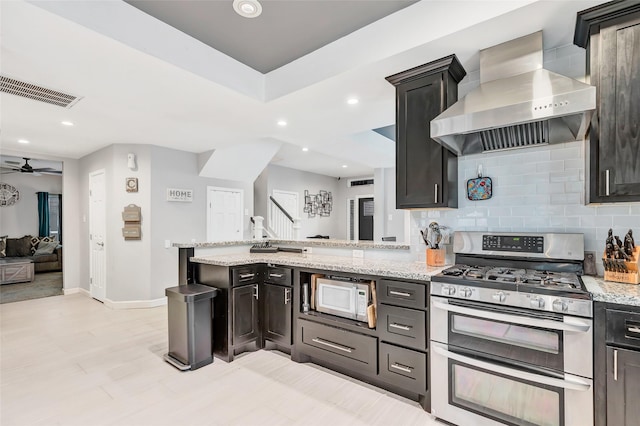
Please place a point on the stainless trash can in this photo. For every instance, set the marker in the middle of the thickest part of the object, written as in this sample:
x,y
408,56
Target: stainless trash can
x,y
190,325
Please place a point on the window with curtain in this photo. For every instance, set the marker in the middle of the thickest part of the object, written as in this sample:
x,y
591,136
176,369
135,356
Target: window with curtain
x,y
55,216
50,215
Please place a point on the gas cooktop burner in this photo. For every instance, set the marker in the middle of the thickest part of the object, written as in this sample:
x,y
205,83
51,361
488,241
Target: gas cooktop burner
x,y
527,277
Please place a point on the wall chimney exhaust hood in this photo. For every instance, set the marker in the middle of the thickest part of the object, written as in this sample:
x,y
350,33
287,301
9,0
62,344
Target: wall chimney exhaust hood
x,y
518,103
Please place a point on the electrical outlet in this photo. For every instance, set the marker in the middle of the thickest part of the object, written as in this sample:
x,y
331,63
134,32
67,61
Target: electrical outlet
x,y
167,243
359,254
308,250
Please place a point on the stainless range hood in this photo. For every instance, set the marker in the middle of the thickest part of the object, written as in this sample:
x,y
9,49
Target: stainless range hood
x,y
518,103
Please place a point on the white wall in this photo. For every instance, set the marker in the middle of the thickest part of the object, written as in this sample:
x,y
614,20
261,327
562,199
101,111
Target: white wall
x,y
21,218
140,270
535,189
286,179
178,221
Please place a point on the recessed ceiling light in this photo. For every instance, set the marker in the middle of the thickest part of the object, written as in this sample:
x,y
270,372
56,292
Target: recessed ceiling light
x,y
344,166
23,141
66,123
352,101
247,8
282,123
305,149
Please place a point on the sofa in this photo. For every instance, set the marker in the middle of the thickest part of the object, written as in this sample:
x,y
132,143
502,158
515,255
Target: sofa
x,y
47,259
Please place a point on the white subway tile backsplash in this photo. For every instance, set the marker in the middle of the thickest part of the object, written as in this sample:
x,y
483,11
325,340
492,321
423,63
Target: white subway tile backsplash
x,y
573,164
577,187
512,222
572,175
629,222
535,178
550,166
566,153
550,188
579,210
566,198
612,210
537,222
596,221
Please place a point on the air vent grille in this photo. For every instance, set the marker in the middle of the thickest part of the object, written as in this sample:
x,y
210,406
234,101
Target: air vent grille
x,y
518,136
361,182
37,93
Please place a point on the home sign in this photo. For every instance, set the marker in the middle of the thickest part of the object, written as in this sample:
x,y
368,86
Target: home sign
x,y
184,195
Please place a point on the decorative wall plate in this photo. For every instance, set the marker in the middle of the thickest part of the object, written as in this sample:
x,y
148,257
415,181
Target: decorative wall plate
x,y
9,195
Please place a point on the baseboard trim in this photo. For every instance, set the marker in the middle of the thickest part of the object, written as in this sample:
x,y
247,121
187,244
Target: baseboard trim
x,y
68,291
135,304
127,304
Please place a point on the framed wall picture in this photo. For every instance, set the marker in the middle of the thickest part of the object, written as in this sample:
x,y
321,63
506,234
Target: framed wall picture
x,y
132,184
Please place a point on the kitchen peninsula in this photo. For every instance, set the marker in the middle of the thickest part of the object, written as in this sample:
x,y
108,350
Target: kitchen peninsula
x,y
267,300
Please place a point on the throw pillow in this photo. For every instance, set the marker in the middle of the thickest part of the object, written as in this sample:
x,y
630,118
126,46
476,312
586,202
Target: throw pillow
x,y
46,247
23,246
12,247
3,246
34,244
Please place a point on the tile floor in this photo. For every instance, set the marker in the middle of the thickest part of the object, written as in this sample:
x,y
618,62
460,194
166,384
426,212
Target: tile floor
x,y
69,360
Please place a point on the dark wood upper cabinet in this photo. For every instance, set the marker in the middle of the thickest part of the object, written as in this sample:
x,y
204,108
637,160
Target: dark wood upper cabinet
x,y
611,34
426,172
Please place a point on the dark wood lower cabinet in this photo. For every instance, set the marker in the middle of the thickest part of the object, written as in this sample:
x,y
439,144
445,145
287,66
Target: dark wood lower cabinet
x,y
276,313
245,314
623,387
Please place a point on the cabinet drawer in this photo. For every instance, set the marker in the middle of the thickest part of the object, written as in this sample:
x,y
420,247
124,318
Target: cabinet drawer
x,y
411,295
403,326
340,347
246,275
623,328
403,367
277,275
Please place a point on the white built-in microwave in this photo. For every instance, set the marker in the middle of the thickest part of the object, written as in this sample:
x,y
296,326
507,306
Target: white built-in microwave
x,y
346,299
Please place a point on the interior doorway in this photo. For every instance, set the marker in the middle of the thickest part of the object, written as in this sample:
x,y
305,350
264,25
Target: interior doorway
x,y
360,213
97,234
224,214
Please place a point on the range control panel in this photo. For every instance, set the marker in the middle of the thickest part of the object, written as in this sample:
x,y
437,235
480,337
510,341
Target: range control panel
x,y
521,244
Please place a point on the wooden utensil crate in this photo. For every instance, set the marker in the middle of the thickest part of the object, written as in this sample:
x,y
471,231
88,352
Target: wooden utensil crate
x,y
632,266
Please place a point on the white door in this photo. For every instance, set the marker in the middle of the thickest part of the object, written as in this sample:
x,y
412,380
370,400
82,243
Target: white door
x,y
97,228
289,201
224,214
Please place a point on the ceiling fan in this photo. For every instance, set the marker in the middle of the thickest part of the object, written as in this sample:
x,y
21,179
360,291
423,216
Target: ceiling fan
x,y
27,168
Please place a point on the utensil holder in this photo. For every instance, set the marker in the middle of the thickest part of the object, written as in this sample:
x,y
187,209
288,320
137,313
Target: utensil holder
x,y
633,268
435,257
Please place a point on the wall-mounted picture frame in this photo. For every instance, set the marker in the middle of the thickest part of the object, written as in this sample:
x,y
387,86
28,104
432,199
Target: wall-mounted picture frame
x,y
132,184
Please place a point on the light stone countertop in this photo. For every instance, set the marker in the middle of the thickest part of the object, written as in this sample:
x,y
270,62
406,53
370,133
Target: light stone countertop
x,y
413,270
310,242
607,291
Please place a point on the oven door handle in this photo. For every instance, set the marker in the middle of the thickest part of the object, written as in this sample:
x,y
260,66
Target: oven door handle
x,y
533,322
577,384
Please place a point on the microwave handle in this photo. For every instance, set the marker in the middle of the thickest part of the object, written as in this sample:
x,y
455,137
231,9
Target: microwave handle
x,y
528,321
510,372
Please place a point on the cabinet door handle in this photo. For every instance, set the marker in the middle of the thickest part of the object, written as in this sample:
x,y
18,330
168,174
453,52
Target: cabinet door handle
x,y
606,182
435,198
633,329
401,367
615,365
276,275
400,326
333,345
255,294
243,276
399,293
287,296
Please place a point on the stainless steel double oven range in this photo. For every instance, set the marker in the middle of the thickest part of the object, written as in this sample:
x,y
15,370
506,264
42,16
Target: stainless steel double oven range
x,y
511,332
